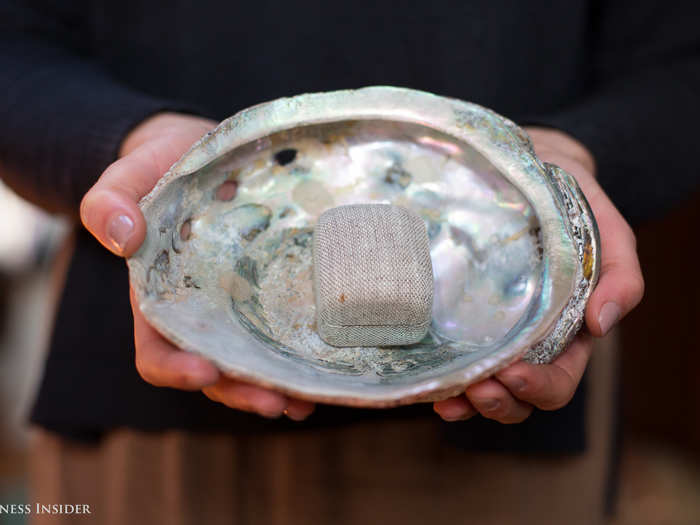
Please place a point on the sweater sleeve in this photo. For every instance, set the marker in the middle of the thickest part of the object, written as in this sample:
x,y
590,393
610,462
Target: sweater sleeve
x,y
640,114
62,118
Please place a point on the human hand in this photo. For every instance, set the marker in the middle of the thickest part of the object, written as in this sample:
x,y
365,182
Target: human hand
x,y
512,394
110,212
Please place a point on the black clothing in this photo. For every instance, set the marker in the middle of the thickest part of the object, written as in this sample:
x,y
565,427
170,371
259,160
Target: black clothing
x,y
77,76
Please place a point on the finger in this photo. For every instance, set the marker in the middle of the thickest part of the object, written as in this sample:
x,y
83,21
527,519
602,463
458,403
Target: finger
x,y
549,387
621,285
494,401
161,364
298,410
249,398
455,409
110,209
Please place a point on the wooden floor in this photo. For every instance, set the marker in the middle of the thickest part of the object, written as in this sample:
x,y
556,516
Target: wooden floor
x,y
659,485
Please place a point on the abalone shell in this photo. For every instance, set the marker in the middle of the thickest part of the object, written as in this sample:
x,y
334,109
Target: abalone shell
x,y
226,267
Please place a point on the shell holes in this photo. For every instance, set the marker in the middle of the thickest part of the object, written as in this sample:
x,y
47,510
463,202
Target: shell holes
x,y
285,156
186,230
226,191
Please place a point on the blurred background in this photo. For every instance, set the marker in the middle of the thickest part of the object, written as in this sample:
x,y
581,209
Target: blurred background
x,y
660,359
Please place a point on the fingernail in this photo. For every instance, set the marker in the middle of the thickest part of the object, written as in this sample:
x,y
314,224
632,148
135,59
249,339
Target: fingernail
x,y
274,408
453,413
294,416
609,315
271,414
489,405
514,383
119,231
463,417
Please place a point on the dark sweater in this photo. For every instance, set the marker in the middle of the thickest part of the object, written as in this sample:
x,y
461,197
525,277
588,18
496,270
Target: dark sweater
x,y
75,77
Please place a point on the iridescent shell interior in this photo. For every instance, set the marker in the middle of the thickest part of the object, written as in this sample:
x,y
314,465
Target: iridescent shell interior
x,y
226,269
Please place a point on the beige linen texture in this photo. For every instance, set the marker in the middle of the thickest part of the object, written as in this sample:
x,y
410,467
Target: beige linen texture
x,y
373,278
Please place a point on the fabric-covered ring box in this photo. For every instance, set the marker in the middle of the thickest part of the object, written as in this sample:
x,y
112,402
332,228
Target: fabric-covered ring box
x,y
373,278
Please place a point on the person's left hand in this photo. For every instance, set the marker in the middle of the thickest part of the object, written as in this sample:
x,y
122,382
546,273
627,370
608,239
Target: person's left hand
x,y
512,394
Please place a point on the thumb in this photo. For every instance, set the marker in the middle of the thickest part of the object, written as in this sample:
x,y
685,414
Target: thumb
x,y
110,209
621,285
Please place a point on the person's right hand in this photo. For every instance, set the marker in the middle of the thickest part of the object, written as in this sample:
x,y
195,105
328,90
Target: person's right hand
x,y
110,212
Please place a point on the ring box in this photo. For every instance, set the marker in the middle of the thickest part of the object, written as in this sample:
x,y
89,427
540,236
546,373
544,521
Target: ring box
x,y
373,277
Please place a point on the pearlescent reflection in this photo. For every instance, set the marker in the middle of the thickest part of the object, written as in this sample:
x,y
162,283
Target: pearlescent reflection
x,y
483,232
